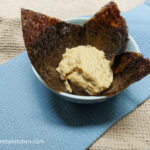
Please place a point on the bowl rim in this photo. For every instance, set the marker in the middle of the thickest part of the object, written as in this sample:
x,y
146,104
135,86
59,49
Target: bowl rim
x,y
80,97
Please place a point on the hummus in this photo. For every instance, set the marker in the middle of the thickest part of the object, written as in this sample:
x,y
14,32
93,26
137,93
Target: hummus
x,y
86,67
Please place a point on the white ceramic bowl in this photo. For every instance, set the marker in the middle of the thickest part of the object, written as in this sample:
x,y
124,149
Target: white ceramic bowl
x,y
131,46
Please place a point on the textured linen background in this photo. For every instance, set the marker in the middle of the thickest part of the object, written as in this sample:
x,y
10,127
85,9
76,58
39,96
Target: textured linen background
x,y
132,132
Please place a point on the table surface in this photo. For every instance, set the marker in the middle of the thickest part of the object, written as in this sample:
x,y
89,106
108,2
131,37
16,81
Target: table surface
x,y
131,132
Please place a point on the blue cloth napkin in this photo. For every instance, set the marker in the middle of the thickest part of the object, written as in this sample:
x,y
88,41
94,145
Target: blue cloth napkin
x,y
29,111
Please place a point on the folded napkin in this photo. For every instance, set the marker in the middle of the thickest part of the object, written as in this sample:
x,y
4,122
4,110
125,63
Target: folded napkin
x,y
31,117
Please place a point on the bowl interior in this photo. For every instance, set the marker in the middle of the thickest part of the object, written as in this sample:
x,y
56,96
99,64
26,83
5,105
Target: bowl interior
x,y
131,46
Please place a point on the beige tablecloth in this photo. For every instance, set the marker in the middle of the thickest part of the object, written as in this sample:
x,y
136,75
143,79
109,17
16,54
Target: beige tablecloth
x,y
133,131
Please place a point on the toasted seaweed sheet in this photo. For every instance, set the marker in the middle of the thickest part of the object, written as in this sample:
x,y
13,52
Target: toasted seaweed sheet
x,y
47,38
